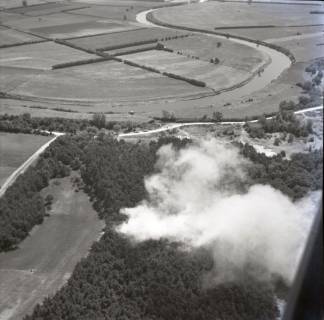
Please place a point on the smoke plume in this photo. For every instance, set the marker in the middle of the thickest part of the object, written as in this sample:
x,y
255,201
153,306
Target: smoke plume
x,y
194,198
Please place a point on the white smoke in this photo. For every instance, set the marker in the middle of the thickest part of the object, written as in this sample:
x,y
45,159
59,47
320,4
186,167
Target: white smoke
x,y
192,199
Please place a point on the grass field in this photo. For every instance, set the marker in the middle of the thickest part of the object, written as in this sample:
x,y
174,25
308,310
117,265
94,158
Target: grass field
x,y
216,77
46,8
40,55
45,260
55,19
229,53
123,38
266,34
10,37
234,14
15,148
17,3
303,49
109,81
79,29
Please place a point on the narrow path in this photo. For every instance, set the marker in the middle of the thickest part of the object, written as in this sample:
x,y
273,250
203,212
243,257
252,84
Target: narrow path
x,y
11,179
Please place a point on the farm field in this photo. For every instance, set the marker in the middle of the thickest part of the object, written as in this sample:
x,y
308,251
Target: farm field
x,y
10,37
116,89
17,3
235,14
123,38
45,260
110,81
40,55
46,8
15,148
216,77
70,30
56,19
303,49
229,53
275,33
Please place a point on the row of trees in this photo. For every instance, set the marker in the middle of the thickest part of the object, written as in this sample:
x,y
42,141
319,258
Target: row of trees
x,y
24,123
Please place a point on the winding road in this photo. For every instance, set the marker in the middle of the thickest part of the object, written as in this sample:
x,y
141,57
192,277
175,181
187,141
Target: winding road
x,y
271,71
172,126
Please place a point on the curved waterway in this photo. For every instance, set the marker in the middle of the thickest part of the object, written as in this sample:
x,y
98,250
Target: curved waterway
x,y
278,60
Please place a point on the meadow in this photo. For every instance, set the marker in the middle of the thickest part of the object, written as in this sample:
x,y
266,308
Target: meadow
x,y
116,39
40,55
11,37
109,81
15,148
216,77
221,15
228,53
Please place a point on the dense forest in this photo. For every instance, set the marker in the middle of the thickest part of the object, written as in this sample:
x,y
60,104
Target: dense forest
x,y
24,123
154,279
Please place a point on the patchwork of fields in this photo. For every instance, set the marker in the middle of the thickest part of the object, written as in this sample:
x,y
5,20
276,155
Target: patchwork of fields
x,y
15,148
40,55
155,80
215,77
109,81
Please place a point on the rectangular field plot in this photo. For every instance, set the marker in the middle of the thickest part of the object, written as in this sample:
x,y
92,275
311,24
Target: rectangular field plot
x,y
116,39
10,37
15,148
80,29
104,81
227,52
215,76
40,55
218,15
52,20
46,8
271,34
17,3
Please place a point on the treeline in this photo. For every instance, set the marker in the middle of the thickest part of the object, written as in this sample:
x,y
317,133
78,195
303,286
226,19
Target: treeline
x,y
295,177
153,279
284,121
24,123
194,82
22,207
79,62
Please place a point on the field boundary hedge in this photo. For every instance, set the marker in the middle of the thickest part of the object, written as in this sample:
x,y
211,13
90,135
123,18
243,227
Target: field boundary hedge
x,y
150,17
126,45
79,62
3,46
